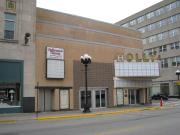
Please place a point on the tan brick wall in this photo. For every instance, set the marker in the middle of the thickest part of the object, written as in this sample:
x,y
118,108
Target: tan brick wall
x,y
77,36
59,17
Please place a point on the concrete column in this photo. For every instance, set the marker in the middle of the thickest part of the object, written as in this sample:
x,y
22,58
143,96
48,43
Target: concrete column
x,y
115,97
37,98
142,96
55,100
71,96
126,95
171,89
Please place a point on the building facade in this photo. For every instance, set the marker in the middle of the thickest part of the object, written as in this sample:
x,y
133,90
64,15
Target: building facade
x,y
17,55
40,67
72,37
160,28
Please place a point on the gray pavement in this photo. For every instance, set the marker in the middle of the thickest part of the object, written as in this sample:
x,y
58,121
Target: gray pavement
x,y
159,122
173,102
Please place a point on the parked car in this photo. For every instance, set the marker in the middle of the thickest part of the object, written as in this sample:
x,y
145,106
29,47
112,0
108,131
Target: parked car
x,y
159,96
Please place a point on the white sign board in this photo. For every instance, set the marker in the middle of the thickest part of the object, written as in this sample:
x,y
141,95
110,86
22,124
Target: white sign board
x,y
55,53
55,69
136,69
55,62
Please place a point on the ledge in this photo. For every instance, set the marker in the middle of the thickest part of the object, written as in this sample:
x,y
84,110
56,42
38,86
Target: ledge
x,y
8,40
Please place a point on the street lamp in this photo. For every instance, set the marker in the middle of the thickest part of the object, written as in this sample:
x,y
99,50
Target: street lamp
x,y
178,73
86,59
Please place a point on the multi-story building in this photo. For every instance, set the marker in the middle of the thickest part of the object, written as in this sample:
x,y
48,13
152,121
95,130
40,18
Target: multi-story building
x,y
160,28
75,36
40,67
17,55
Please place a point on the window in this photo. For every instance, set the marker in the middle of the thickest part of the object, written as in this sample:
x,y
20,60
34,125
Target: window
x,y
133,22
171,6
178,60
151,27
144,41
164,35
159,11
164,22
175,61
159,36
172,19
125,25
178,3
9,26
150,15
164,63
161,23
175,45
173,33
10,5
163,48
142,30
152,39
152,51
140,19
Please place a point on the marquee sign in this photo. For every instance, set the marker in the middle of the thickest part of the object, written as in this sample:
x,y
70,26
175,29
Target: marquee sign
x,y
55,63
130,57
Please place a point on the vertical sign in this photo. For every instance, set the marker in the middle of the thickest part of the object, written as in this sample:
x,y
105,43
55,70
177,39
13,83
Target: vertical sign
x,y
55,63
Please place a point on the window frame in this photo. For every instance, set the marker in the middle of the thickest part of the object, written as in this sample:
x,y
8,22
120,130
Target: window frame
x,y
7,20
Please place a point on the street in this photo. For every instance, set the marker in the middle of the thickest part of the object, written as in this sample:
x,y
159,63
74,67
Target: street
x,y
156,122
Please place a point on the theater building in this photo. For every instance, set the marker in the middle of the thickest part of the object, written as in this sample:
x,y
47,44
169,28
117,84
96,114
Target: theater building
x,y
61,39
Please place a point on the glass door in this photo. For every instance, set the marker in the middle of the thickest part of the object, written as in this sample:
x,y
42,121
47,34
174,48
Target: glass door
x,y
132,96
100,98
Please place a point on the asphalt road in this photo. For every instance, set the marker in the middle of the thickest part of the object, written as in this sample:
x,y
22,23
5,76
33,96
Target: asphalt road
x,y
158,122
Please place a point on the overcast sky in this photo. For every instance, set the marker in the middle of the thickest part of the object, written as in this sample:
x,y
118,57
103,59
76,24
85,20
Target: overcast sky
x,y
103,10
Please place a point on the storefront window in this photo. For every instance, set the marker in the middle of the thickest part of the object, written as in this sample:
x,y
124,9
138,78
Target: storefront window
x,y
9,95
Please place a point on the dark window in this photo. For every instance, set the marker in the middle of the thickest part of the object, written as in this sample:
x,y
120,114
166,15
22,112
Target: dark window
x,y
9,27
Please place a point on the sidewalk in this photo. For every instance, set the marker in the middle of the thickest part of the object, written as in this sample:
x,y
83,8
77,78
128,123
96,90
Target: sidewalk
x,y
15,117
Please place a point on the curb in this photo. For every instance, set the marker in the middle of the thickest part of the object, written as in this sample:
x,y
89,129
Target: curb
x,y
88,115
97,114
8,121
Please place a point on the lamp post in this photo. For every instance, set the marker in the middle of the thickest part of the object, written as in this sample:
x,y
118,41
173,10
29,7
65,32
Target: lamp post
x,y
86,59
178,73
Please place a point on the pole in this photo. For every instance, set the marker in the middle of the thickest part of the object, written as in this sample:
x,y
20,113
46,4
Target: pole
x,y
86,106
86,86
178,86
37,100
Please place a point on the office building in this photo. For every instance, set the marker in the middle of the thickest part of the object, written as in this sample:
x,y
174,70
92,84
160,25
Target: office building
x,y
160,28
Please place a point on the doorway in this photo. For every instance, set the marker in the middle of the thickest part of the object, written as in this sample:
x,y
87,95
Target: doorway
x,y
45,99
100,98
64,99
96,99
134,96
